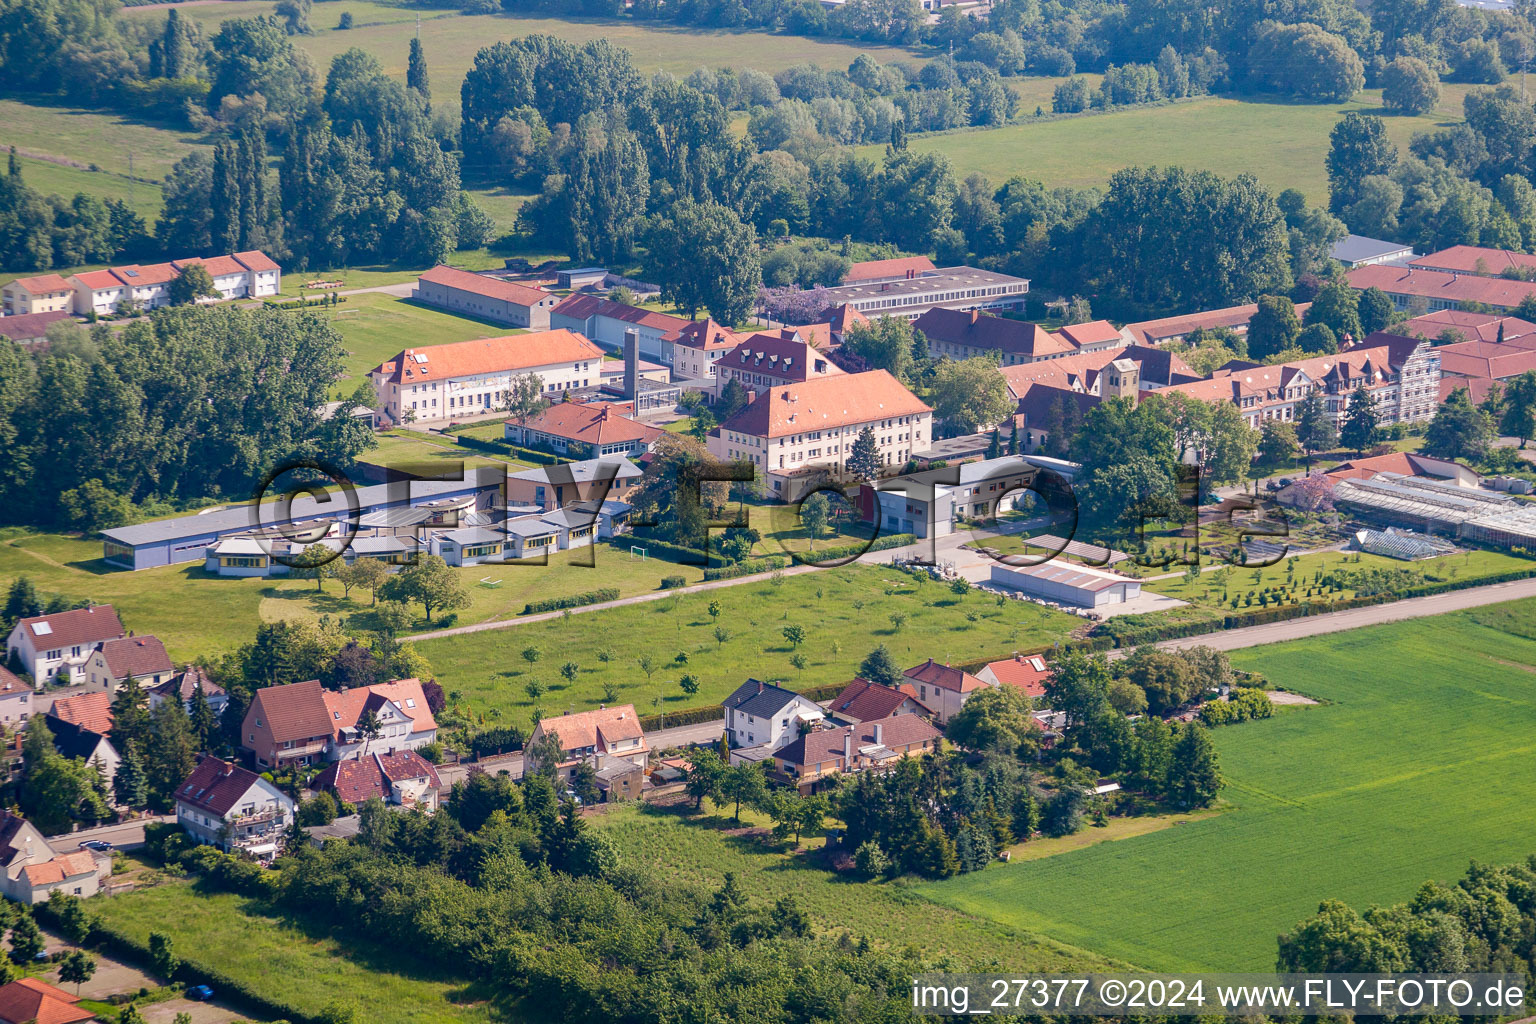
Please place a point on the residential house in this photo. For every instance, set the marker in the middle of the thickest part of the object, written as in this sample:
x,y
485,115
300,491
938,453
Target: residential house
x,y
18,700
99,292
148,286
699,346
33,870
910,295
183,685
841,319
583,430
800,429
287,725
45,293
1402,375
866,746
1426,291
589,736
552,487
29,328
224,805
470,377
89,711
404,720
241,275
943,688
63,641
864,701
486,297
266,277
1026,673
1179,328
77,742
33,1001
1360,251
142,657
402,778
760,718
606,321
771,359
1478,261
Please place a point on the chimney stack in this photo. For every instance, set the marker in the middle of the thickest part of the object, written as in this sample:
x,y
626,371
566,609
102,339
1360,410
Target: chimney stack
x,y
879,730
848,749
632,366
759,686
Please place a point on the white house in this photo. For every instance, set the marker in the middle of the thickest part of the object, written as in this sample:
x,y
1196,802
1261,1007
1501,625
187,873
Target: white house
x,y
403,778
18,701
606,321
761,718
943,688
64,641
33,870
591,736
405,722
46,293
224,805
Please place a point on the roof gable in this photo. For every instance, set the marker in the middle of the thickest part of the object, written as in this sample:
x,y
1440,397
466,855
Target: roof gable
x,y
296,711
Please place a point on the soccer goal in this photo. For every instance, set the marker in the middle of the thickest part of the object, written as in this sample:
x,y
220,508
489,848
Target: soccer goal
x,y
636,551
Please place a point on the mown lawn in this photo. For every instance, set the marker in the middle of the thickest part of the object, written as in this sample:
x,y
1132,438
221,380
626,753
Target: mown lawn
x,y
377,325
1419,763
845,613
1283,144
699,849
240,937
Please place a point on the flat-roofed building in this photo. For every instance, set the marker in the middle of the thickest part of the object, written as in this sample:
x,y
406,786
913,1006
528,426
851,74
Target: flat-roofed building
x,y
1068,583
948,287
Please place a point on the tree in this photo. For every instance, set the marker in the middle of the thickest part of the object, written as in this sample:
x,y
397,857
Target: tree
x,y
743,784
430,582
315,562
1519,412
93,506
1194,774
1337,306
995,719
879,667
416,72
191,284
689,684
883,343
1273,328
1360,422
524,399
1277,443
569,670
26,937
1376,311
703,256
75,920
813,516
795,635
77,968
1408,86
705,770
970,394
130,784
864,460
1358,149
200,715
1314,426
170,753
162,954
1078,686
1306,61
1460,430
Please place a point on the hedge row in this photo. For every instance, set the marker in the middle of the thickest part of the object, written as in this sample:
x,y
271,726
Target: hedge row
x,y
750,567
323,300
554,604
687,716
501,739
538,458
891,540
665,550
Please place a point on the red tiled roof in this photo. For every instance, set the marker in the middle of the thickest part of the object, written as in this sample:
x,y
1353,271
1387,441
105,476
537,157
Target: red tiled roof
x,y
584,307
154,273
488,355
1465,258
490,287
945,677
708,336
875,270
978,330
821,745
99,280
1471,326
865,701
1485,359
1073,373
1038,401
1431,284
65,865
591,424
216,786
1094,332
841,318
136,656
778,356
43,283
29,1001
78,626
1022,672
218,266
586,728
407,693
184,684
292,712
356,780
90,711
27,326
256,260
825,402
11,683
1150,332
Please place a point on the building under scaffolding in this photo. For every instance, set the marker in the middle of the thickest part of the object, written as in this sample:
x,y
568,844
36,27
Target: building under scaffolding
x,y
1435,506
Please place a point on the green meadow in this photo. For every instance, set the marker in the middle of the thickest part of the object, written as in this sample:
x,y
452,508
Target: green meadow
x,y
1418,762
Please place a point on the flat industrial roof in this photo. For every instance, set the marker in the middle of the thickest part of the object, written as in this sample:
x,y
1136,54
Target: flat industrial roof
x,y
1082,577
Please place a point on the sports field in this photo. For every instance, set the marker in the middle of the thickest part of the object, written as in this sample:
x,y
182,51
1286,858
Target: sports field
x,y
1420,762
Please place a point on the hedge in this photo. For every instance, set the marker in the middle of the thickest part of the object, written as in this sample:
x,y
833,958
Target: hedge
x,y
323,300
498,740
892,540
665,550
673,582
554,604
750,567
686,716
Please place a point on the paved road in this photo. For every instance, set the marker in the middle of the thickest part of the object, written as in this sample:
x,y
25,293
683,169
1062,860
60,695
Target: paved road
x,y
681,736
1354,618
125,836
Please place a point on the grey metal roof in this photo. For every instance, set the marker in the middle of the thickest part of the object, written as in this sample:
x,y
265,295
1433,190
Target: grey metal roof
x,y
580,472
394,518
304,507
530,526
569,517
1354,248
475,535
760,700
388,545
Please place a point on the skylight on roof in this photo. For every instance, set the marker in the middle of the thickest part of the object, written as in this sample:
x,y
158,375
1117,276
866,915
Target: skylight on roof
x,y
42,628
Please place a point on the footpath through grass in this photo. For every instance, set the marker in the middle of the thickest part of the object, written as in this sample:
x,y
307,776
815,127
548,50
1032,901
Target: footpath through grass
x,y
240,937
1420,763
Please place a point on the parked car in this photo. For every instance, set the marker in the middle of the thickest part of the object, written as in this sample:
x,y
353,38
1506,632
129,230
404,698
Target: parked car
x,y
201,993
99,845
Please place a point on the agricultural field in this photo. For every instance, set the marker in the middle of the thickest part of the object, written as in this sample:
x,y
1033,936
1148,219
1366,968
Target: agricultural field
x,y
240,937
451,40
698,850
845,613
1417,762
1283,144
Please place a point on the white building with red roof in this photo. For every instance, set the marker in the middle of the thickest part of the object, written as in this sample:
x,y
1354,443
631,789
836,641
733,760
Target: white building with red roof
x,y
142,657
605,321
63,641
770,358
962,334
582,430
32,870
590,736
471,377
1179,328
944,688
1426,291
403,778
1026,673
32,1001
404,720
487,297
794,429
864,701
699,346
877,745
44,293
224,805
241,275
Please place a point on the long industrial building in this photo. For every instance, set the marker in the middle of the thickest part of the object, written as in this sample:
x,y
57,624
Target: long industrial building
x,y
1067,583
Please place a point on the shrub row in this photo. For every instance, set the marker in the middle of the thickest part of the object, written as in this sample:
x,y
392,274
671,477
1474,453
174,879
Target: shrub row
x,y
319,300
500,739
673,582
665,550
686,716
750,567
554,604
506,448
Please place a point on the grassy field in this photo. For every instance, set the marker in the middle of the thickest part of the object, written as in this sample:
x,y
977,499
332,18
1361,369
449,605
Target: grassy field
x,y
451,40
845,613
376,326
1284,144
1419,762
699,849
242,938
92,137
51,178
